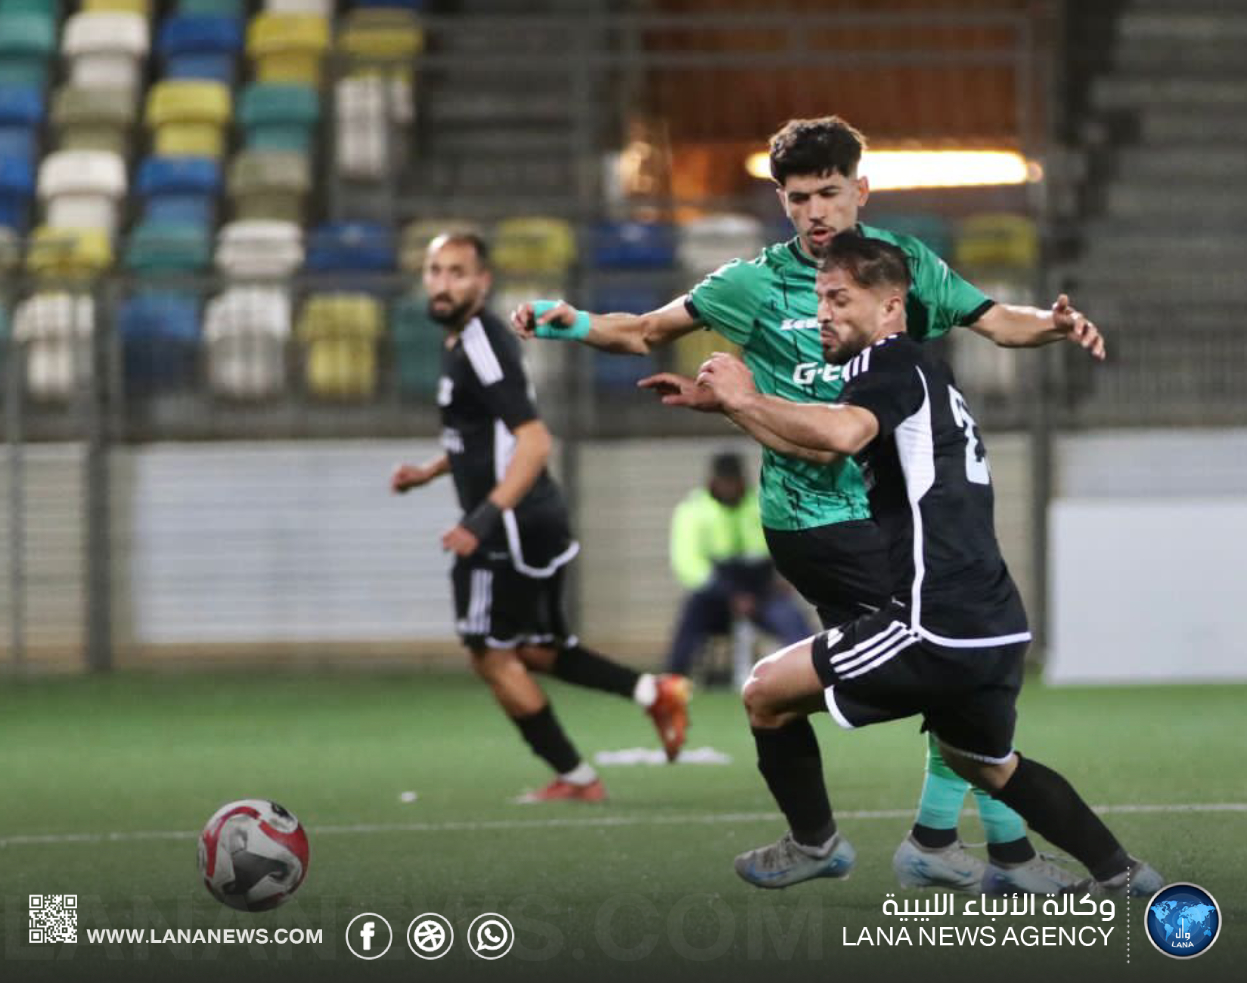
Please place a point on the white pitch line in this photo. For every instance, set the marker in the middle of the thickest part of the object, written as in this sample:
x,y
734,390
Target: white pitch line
x,y
583,821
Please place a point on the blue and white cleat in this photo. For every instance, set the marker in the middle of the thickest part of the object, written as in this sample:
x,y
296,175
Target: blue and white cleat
x,y
948,868
787,862
1038,875
1141,880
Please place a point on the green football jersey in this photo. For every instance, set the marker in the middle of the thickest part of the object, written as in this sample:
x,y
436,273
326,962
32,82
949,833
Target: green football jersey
x,y
767,306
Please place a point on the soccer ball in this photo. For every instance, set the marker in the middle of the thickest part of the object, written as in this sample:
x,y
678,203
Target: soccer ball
x,y
253,855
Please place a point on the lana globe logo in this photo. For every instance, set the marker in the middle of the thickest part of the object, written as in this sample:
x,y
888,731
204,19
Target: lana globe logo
x,y
1183,920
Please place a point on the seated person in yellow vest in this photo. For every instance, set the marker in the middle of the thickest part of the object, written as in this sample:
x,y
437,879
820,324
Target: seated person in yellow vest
x,y
719,555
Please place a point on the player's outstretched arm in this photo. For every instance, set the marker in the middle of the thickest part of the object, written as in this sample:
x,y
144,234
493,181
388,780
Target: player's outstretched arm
x,y
626,334
818,431
408,476
1016,326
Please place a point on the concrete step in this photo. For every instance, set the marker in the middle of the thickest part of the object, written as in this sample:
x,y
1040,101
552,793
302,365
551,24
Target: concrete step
x,y
1123,199
1210,98
1099,281
471,174
1203,59
490,108
1181,25
1164,163
1164,125
463,141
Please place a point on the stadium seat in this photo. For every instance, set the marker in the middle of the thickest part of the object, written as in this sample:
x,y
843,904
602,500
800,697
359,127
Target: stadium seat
x,y
56,330
269,184
82,189
141,7
363,133
10,250
188,117
18,142
179,189
259,250
339,333
634,245
417,342
211,8
245,334
27,42
351,247
159,333
379,38
997,240
200,47
17,190
320,8
93,119
707,243
106,49
417,235
288,47
534,246
277,116
158,245
68,254
4,314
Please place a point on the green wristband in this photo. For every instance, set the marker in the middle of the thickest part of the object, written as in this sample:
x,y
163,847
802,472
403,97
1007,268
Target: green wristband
x,y
574,332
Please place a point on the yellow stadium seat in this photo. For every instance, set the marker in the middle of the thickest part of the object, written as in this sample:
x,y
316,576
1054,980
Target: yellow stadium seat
x,y
287,47
188,101
527,246
141,7
999,240
189,140
694,348
381,35
339,332
68,253
289,67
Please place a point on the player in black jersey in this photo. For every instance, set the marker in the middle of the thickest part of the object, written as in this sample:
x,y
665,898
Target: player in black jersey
x,y
949,644
514,540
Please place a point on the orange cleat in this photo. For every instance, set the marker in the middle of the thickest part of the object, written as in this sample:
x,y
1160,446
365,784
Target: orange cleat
x,y
560,790
670,713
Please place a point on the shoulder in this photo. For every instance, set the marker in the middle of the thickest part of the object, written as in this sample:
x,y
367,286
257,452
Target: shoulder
x,y
488,345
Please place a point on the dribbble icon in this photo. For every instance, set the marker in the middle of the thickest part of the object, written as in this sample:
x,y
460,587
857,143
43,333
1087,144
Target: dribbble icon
x,y
1183,921
490,936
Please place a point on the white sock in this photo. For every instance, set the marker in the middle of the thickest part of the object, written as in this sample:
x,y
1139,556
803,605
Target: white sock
x,y
582,774
646,690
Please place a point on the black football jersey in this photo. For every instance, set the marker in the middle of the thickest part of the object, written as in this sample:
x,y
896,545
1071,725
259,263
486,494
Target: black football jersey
x,y
484,396
930,490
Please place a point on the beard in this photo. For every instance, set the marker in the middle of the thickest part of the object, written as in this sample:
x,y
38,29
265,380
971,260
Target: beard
x,y
447,314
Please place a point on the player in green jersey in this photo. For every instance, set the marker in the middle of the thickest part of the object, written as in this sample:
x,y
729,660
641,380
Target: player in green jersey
x,y
817,518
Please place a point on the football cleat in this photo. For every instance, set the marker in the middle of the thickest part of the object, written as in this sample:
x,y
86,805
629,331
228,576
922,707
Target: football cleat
x,y
1141,880
786,862
950,868
669,711
1038,875
561,790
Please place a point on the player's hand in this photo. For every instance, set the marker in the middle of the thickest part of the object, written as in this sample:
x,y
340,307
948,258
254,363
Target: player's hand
x,y
524,320
679,390
1074,325
407,477
727,377
460,542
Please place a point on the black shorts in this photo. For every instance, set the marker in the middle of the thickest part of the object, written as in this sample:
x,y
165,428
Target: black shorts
x,y
842,569
877,668
496,606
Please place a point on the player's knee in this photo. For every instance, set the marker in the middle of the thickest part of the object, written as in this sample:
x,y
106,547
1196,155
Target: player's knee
x,y
493,665
759,702
537,658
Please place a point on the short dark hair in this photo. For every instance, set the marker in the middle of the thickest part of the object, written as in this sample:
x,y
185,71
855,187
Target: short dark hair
x,y
869,262
815,146
727,464
466,237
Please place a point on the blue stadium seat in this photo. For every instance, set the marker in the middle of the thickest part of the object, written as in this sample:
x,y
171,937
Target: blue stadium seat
x,y
413,5
17,189
17,141
22,105
352,247
178,175
634,246
210,68
200,47
160,342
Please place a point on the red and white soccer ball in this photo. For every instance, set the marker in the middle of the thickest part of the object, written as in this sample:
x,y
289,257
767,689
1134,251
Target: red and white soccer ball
x,y
253,855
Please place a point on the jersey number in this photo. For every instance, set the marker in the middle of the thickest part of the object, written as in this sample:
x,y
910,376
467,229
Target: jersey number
x,y
977,470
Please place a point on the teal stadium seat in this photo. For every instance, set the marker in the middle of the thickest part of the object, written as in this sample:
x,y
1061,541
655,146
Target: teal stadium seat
x,y
417,340
278,116
27,43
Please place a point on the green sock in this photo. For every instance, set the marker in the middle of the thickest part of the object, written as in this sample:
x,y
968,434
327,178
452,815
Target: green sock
x,y
1000,823
943,791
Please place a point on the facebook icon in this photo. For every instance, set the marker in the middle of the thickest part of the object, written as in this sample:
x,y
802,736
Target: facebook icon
x,y
368,936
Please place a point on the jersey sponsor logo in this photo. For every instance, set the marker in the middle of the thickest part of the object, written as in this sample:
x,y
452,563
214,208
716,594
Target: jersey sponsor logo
x,y
445,389
452,441
805,373
799,324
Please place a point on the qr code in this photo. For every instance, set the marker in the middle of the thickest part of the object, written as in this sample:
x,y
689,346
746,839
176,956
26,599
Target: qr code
x,y
54,918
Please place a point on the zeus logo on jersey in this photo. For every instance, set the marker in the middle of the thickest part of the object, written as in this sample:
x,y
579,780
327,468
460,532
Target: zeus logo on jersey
x,y
807,372
445,390
799,324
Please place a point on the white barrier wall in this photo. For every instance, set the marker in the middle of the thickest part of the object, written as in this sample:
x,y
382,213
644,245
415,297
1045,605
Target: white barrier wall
x,y
1148,536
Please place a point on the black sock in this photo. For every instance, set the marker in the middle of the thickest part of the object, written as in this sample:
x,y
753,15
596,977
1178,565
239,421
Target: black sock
x,y
545,736
1055,811
1014,852
580,666
789,760
932,838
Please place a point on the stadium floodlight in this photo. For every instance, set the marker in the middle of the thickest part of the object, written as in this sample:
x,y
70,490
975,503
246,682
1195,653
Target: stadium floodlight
x,y
899,170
